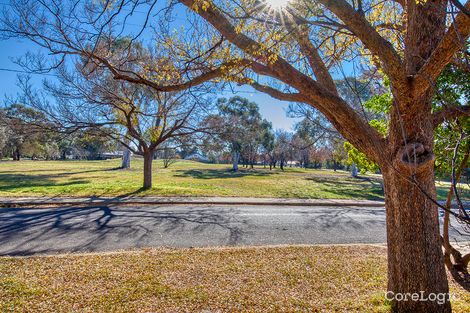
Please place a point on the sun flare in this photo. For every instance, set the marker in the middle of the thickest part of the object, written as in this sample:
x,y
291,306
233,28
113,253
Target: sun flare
x,y
277,4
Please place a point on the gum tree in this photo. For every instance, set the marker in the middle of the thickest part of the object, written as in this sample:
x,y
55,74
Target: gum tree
x,y
239,126
141,119
412,58
291,51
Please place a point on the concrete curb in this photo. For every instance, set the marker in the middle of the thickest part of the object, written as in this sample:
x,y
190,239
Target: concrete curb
x,y
54,201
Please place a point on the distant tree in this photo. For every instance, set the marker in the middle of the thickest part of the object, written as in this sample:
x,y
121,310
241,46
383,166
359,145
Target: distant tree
x,y
301,150
189,147
167,154
26,132
283,147
212,145
90,144
253,139
239,128
311,133
267,149
4,134
338,153
137,117
319,156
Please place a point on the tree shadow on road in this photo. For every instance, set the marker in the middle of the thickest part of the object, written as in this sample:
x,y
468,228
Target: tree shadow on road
x,y
27,231
342,220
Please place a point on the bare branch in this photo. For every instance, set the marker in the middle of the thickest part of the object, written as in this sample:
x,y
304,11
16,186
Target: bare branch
x,y
198,80
339,113
379,46
277,94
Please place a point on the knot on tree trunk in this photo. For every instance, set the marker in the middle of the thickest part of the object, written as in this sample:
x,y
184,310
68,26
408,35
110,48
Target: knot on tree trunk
x,y
415,157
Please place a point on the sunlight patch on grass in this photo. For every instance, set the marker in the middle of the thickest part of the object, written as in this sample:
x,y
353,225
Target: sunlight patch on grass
x,y
184,178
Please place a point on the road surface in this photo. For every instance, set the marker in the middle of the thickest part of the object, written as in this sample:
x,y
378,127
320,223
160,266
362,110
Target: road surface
x,y
27,231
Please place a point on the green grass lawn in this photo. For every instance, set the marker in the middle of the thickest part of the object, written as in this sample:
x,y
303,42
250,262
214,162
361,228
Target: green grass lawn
x,y
184,178
255,279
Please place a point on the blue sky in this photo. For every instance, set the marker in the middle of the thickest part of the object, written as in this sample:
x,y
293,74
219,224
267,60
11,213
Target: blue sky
x,y
271,109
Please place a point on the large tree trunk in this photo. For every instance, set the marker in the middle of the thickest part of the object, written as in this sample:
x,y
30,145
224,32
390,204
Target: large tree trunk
x,y
415,258
148,159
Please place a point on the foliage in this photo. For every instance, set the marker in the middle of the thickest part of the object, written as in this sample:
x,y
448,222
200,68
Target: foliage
x,y
26,133
379,105
359,158
239,129
453,88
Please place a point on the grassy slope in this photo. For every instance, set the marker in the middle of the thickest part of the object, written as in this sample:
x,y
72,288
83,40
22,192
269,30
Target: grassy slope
x,y
281,279
185,178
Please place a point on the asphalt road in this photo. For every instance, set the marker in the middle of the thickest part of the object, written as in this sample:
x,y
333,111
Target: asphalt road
x,y
27,231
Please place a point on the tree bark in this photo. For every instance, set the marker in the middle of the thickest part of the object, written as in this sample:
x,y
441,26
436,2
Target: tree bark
x,y
354,170
415,258
17,155
235,158
148,159
126,159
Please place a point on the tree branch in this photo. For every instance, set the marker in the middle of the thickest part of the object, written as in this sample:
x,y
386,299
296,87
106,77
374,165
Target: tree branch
x,y
452,41
277,94
372,40
319,68
198,80
450,112
347,121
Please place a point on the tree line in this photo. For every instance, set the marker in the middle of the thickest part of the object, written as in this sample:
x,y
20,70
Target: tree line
x,y
26,133
234,132
242,136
